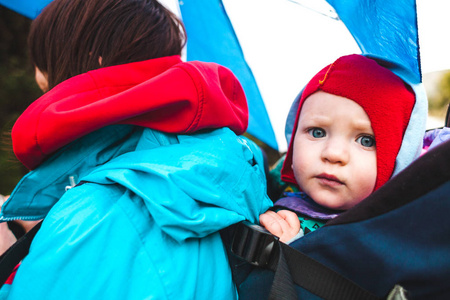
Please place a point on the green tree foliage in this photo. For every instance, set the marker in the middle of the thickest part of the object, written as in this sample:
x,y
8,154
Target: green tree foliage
x,y
17,90
440,101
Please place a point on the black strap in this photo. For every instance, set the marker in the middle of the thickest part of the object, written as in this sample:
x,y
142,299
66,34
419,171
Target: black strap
x,y
320,279
14,255
292,266
283,285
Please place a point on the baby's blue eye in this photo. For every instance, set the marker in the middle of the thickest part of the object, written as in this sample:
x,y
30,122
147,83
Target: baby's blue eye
x,y
366,141
317,132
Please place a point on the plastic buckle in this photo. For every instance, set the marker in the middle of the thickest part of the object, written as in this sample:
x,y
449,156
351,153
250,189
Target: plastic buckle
x,y
255,244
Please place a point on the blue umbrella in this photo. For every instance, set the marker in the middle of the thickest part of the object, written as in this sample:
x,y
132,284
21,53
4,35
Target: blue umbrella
x,y
384,28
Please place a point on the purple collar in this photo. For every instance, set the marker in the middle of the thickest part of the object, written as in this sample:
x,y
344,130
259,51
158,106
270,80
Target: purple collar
x,y
302,203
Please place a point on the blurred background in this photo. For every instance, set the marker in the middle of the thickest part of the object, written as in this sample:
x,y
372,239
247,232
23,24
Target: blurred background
x,y
18,89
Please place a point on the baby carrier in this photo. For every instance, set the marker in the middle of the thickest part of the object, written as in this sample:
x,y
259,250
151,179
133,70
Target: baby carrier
x,y
394,244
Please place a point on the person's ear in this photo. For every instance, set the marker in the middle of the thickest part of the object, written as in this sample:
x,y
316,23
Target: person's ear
x,y
41,79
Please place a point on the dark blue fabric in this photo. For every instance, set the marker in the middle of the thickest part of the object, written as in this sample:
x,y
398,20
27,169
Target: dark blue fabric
x,y
407,246
259,283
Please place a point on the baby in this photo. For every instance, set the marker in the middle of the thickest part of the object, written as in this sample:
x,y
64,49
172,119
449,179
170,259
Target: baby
x,y
349,127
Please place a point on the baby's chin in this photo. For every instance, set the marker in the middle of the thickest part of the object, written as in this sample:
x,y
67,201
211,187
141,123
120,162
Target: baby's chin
x,y
334,202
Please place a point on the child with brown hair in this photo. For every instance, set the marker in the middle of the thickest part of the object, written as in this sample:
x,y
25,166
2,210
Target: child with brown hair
x,y
135,157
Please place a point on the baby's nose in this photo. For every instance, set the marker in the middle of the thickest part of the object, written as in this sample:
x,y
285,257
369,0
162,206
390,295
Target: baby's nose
x,y
336,151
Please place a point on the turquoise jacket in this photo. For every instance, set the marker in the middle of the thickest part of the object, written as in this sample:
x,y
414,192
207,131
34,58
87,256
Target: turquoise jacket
x,y
144,222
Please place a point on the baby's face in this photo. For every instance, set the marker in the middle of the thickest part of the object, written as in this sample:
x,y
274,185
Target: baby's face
x,y
334,154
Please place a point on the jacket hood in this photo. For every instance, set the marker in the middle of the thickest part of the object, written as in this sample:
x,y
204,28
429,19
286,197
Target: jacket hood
x,y
165,94
41,188
193,185
152,214
399,146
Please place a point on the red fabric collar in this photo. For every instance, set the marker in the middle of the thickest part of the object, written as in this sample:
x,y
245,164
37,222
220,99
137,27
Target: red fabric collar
x,y
386,99
163,94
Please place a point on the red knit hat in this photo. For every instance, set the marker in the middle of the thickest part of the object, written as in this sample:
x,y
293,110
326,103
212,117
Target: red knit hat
x,y
386,99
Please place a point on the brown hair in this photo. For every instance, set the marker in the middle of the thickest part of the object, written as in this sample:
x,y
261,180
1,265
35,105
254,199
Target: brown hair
x,y
70,36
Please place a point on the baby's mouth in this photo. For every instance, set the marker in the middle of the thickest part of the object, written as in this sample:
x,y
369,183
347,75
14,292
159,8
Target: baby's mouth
x,y
329,180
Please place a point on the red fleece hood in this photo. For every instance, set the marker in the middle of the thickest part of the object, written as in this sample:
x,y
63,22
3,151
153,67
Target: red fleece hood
x,y
165,94
386,99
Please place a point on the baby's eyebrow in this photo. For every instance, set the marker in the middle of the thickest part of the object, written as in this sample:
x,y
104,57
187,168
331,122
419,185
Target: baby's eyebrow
x,y
362,125
315,118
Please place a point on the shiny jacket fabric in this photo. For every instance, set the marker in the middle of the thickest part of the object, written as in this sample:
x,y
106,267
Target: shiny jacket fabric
x,y
145,224
143,221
